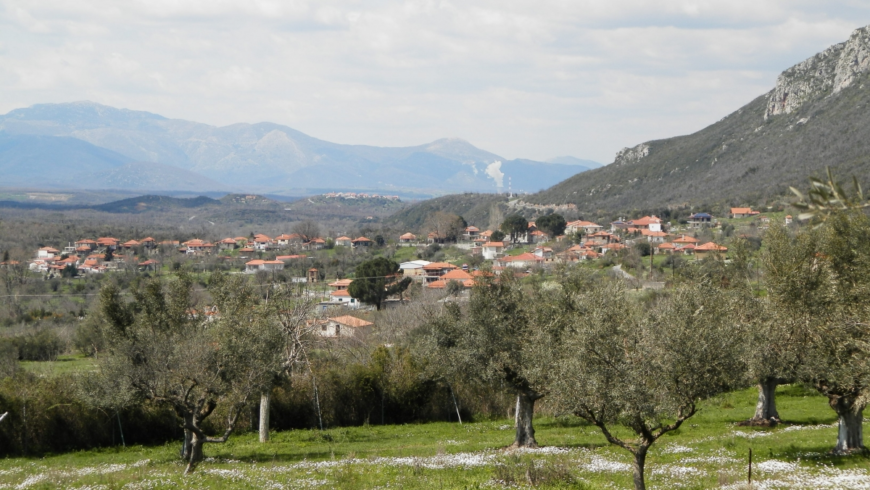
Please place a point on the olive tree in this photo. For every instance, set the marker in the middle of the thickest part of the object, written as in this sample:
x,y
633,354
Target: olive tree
x,y
292,315
485,341
164,348
838,361
645,367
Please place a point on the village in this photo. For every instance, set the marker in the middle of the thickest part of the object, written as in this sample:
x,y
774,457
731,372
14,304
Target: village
x,y
441,264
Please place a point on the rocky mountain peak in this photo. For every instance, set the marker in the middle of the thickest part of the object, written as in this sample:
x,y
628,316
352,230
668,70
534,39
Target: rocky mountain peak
x,y
823,74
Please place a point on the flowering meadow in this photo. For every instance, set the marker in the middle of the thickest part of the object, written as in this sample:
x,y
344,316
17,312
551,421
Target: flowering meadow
x,y
710,452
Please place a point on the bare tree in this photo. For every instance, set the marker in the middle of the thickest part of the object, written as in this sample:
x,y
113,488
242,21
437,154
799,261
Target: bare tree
x,y
294,316
447,226
622,363
307,229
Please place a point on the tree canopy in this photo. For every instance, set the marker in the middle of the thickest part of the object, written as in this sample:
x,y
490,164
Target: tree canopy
x,y
552,224
377,279
514,225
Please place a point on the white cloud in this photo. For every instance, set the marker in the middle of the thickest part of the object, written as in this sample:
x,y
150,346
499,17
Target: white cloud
x,y
518,78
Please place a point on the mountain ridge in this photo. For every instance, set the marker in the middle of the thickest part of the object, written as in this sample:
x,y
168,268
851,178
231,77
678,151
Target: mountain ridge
x,y
271,157
815,116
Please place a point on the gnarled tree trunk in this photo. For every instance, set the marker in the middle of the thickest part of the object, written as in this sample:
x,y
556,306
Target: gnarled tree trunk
x,y
639,463
265,401
196,454
765,408
850,434
525,412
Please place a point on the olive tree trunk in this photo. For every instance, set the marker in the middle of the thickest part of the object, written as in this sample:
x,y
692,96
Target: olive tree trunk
x,y
639,463
265,402
196,454
850,434
185,445
525,412
765,408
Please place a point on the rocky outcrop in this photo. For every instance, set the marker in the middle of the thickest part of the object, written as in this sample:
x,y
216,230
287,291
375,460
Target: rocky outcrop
x,y
631,155
824,74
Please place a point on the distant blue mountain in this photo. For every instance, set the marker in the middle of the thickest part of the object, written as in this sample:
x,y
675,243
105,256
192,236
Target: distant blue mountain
x,y
261,157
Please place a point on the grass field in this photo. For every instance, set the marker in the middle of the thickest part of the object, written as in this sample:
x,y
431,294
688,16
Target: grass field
x,y
710,451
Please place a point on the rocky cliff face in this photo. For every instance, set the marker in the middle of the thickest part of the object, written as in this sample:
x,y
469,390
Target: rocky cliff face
x,y
824,74
631,155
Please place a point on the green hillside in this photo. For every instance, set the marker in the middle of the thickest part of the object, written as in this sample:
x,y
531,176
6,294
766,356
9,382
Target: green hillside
x,y
475,208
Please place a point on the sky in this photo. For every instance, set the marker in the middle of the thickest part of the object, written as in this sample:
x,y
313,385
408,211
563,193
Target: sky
x,y
522,79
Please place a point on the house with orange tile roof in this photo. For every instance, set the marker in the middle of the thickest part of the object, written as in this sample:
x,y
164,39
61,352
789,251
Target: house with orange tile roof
x,y
344,241
315,244
47,253
435,270
585,227
545,253
492,250
471,232
340,284
253,266
262,242
343,326
362,242
284,239
538,236
408,238
743,212
709,248
653,236
521,261
651,223
340,297
666,247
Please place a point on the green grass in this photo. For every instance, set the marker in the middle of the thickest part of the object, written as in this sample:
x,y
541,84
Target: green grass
x,y
708,451
405,254
65,364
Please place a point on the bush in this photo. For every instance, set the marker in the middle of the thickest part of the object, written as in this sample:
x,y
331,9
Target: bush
x,y
41,345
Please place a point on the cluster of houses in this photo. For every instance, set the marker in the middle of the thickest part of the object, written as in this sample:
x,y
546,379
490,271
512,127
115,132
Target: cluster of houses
x,y
359,195
94,256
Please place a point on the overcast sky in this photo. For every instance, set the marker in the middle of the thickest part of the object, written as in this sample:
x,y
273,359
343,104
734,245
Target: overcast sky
x,y
523,79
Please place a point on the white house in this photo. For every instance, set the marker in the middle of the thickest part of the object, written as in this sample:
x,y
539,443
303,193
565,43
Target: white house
x,y
414,268
652,223
46,253
544,253
586,227
343,298
492,250
344,241
263,265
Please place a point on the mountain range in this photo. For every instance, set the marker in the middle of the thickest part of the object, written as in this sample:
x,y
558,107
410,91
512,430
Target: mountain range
x,y
817,115
91,146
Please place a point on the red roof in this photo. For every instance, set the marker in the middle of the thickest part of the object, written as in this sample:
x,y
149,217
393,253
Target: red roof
x,y
645,221
439,266
522,257
340,292
711,247
351,321
456,274
494,244
686,239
